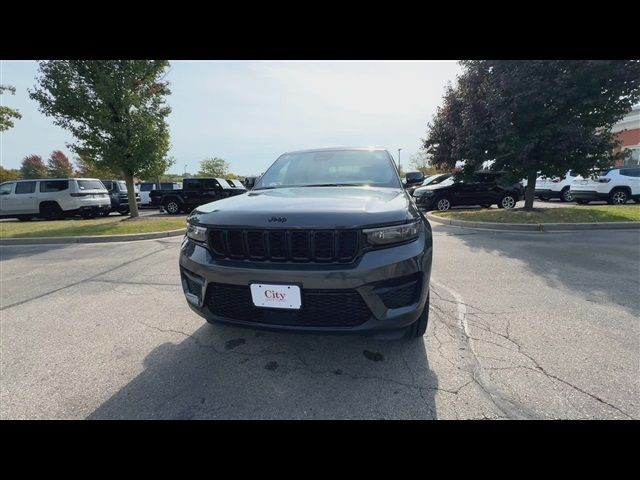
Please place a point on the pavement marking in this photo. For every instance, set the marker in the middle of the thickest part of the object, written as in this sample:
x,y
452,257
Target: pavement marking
x,y
508,408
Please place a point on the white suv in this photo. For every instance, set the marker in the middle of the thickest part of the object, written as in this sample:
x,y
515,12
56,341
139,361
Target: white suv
x,y
555,187
616,185
53,198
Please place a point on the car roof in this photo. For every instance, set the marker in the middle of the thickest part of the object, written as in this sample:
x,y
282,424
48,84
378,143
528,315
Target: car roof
x,y
333,149
48,179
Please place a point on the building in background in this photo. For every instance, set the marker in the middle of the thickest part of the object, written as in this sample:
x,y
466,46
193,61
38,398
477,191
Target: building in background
x,y
628,131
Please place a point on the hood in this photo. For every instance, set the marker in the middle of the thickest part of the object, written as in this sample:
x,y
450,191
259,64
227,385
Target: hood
x,y
311,207
437,186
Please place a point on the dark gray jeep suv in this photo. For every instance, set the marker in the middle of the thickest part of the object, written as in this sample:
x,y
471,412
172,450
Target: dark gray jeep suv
x,y
327,241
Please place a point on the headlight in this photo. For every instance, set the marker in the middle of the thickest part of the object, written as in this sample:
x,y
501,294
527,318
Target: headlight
x,y
196,233
395,234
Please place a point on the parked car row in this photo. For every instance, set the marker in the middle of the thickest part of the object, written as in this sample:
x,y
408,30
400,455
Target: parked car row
x,y
55,198
615,185
195,192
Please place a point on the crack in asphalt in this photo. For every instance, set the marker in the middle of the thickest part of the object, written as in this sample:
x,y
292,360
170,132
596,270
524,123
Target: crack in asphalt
x,y
537,367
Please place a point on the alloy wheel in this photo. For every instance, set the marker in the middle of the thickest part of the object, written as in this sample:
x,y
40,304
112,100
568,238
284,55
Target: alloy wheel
x,y
444,204
508,202
619,197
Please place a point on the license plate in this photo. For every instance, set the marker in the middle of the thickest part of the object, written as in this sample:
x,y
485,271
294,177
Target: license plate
x,y
276,296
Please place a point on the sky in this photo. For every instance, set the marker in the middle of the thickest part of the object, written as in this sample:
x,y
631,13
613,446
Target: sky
x,y
250,112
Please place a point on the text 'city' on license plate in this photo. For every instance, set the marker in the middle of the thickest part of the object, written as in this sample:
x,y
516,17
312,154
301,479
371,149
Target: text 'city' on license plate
x,y
276,296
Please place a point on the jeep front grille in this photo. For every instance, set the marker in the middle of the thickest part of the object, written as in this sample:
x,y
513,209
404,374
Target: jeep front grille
x,y
322,246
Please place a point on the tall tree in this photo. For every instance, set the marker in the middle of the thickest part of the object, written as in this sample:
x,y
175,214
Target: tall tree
x,y
213,167
7,174
534,116
7,113
59,165
116,110
33,167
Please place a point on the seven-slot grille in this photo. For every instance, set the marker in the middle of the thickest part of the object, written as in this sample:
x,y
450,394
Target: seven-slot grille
x,y
324,246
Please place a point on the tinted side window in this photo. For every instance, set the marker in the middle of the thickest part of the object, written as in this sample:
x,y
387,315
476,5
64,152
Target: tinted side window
x,y
25,187
108,185
193,185
630,172
146,187
54,185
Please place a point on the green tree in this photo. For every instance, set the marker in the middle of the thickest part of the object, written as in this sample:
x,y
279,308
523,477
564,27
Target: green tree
x,y
213,167
116,110
33,167
88,168
59,165
7,174
534,116
7,113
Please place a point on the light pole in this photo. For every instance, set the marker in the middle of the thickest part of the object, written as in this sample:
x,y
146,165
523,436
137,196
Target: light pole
x,y
185,169
399,164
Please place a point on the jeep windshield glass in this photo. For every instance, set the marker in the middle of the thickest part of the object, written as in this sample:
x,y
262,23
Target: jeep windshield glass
x,y
331,168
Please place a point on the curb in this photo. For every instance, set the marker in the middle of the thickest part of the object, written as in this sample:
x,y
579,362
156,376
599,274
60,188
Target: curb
x,y
92,239
534,227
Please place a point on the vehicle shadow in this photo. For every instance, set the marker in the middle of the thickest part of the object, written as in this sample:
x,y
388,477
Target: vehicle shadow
x,y
224,372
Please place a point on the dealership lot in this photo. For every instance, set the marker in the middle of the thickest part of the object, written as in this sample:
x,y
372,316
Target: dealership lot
x,y
523,325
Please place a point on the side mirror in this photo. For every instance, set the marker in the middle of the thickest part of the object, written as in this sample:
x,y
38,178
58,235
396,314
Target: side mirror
x,y
413,178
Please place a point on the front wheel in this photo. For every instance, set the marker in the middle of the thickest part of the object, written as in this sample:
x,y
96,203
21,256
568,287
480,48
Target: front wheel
x,y
508,201
418,328
618,197
566,195
443,204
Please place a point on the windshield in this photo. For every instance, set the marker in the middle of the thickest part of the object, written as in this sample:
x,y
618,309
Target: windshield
x,y
331,168
90,185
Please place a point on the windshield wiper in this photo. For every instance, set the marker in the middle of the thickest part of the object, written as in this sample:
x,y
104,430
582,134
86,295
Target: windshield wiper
x,y
334,185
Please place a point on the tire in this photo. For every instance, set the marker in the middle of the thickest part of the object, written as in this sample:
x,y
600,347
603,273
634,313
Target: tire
x,y
51,211
173,207
508,201
443,204
418,328
565,195
124,212
618,196
580,201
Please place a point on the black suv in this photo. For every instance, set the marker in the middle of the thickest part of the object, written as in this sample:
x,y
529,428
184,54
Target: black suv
x,y
119,199
326,241
484,188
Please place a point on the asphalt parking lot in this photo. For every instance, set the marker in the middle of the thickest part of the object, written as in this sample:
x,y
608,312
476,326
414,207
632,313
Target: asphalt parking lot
x,y
522,325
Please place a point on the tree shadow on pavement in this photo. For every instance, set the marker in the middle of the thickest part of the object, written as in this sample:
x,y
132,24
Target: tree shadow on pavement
x,y
601,265
224,372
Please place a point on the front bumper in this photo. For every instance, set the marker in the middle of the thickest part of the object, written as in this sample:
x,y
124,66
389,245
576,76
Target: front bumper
x,y
370,276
